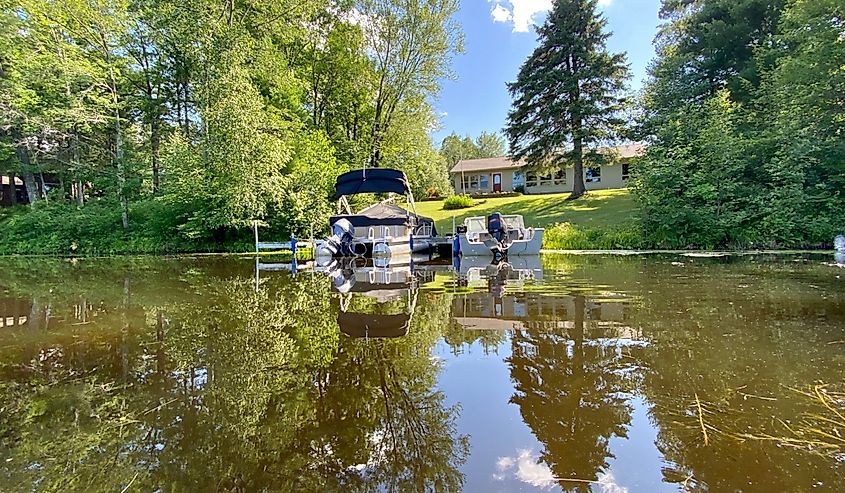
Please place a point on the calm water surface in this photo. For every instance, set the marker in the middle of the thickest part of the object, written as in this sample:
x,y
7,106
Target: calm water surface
x,y
565,373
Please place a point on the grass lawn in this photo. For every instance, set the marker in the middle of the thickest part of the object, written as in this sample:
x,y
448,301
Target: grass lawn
x,y
600,209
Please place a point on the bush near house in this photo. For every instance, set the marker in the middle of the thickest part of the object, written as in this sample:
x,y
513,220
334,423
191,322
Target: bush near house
x,y
458,202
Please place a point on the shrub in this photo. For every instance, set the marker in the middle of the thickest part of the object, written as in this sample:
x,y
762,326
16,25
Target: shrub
x,y
567,236
520,189
458,202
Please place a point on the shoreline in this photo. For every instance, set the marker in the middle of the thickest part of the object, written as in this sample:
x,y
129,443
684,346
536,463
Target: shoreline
x,y
580,252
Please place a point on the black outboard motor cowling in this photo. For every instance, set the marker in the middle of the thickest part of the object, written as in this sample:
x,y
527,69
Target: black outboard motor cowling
x,y
497,227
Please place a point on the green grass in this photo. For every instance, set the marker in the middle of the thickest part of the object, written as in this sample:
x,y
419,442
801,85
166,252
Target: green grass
x,y
601,209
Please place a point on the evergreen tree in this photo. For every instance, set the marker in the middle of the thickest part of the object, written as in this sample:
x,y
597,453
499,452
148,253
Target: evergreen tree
x,y
567,94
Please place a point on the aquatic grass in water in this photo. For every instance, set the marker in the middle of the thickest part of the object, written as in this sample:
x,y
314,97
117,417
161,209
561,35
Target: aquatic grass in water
x,y
820,430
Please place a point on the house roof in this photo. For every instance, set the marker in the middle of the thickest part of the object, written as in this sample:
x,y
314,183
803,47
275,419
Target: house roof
x,y
626,151
491,163
504,163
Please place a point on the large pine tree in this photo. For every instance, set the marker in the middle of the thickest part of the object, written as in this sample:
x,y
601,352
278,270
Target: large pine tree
x,y
567,96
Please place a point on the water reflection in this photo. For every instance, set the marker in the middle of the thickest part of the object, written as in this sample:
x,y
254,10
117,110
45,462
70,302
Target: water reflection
x,y
595,374
195,381
374,301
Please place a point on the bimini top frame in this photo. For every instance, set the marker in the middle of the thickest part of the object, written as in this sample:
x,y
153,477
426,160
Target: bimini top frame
x,y
373,180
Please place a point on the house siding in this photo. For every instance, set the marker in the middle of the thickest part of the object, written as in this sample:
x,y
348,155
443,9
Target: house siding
x,y
507,181
611,177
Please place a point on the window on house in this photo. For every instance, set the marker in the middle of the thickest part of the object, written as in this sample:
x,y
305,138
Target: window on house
x,y
626,172
593,174
556,179
484,181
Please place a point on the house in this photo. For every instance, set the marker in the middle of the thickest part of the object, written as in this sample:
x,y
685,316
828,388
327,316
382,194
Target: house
x,y
6,191
500,174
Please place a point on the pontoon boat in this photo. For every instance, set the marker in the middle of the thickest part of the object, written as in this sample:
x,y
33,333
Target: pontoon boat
x,y
498,236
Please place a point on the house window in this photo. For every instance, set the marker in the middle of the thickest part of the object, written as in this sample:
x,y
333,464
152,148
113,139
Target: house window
x,y
626,173
518,179
593,174
556,179
485,181
471,182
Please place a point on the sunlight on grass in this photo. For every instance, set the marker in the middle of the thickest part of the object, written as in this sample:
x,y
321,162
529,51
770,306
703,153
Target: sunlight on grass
x,y
601,208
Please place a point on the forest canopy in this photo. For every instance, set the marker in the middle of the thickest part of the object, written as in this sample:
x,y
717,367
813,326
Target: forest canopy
x,y
184,121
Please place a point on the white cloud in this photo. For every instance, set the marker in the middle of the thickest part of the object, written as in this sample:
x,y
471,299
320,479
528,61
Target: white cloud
x,y
522,13
529,470
527,467
607,482
500,14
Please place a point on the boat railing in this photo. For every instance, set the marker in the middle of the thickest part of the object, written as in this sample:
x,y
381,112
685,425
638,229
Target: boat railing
x,y
383,233
424,230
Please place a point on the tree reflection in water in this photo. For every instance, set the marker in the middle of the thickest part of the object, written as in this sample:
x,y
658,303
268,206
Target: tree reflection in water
x,y
572,390
192,381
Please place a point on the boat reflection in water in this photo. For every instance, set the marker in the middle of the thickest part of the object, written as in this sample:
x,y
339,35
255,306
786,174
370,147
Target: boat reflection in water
x,y
375,301
508,303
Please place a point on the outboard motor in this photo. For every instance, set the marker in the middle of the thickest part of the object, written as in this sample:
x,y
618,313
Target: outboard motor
x,y
496,227
340,242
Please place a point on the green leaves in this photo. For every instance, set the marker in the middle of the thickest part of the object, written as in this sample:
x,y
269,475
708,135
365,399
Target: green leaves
x,y
744,112
227,111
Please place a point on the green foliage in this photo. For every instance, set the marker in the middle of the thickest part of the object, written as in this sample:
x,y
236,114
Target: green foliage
x,y
458,202
63,229
408,148
454,148
567,93
228,113
567,236
756,160
308,190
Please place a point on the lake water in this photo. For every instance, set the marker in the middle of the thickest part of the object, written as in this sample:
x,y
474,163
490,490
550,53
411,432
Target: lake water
x,y
566,373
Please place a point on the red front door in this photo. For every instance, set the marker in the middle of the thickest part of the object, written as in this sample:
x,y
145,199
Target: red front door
x,y
497,182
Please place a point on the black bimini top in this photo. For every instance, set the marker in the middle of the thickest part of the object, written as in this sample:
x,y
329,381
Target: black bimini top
x,y
372,180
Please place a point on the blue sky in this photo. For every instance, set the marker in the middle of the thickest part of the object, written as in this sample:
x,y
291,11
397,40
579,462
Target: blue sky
x,y
499,35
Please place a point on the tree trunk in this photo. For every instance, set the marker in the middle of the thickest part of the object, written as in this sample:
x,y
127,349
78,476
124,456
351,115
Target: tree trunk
x,y
578,188
13,190
35,315
41,188
375,155
118,145
78,192
121,170
22,154
155,150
